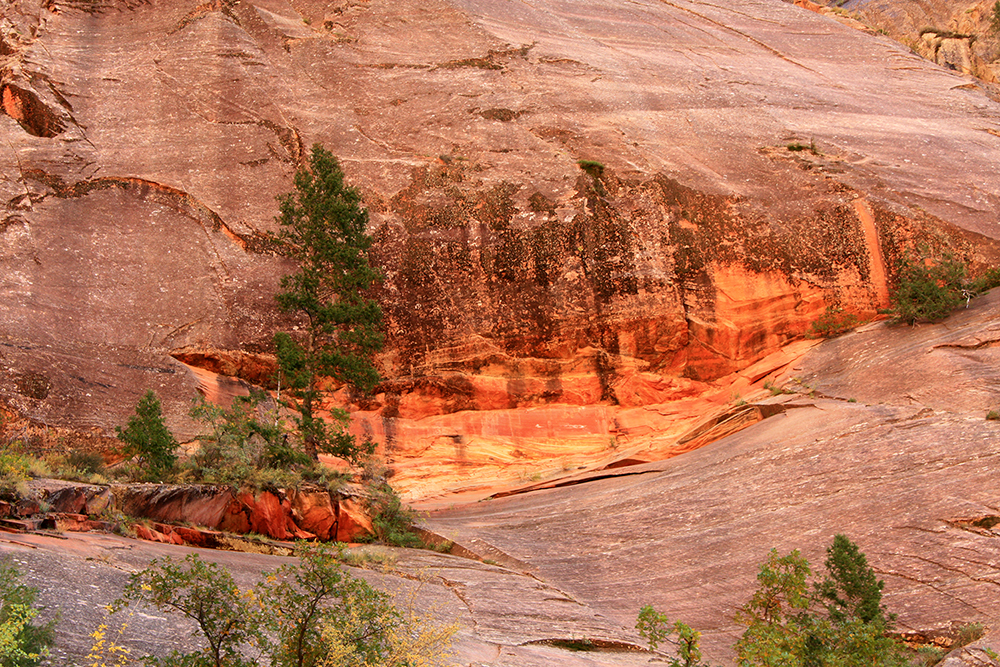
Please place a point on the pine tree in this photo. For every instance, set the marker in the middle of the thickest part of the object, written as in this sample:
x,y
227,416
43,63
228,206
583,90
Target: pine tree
x,y
843,624
850,589
147,438
323,228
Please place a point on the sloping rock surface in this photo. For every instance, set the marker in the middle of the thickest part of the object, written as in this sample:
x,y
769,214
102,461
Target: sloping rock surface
x,y
892,449
145,142
505,618
911,483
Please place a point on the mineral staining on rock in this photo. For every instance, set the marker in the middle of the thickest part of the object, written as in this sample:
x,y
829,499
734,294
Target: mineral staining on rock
x,y
581,218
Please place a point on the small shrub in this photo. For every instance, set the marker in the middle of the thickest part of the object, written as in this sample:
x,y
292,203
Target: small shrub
x,y
993,415
85,462
989,279
108,651
312,614
241,449
78,466
13,473
368,559
833,322
928,655
968,633
797,147
392,521
656,629
22,644
147,439
592,167
930,293
775,389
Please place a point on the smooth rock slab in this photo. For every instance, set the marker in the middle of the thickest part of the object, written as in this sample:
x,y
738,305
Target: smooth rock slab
x,y
907,483
504,618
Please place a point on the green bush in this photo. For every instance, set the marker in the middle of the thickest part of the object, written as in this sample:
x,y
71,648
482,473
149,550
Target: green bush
x,y
839,623
930,293
833,322
147,439
798,147
656,629
85,462
22,643
241,449
13,472
311,614
392,521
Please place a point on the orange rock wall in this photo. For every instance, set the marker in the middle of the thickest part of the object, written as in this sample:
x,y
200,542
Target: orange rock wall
x,y
576,219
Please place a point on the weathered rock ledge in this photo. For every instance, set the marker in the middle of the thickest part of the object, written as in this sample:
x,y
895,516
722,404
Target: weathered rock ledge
x,y
191,514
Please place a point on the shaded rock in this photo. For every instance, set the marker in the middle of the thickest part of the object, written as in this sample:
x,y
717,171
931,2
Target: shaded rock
x,y
165,535
315,512
265,513
198,537
69,521
77,498
27,507
295,514
353,521
203,505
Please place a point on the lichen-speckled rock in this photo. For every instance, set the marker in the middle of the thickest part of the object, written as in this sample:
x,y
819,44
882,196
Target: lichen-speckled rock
x,y
144,143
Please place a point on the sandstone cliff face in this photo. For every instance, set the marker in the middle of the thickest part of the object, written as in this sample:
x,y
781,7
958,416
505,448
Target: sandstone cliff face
x,y
956,35
535,309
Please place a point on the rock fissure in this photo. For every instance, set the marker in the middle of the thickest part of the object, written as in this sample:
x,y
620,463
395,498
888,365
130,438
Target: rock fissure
x,y
31,113
990,342
936,587
741,33
179,200
587,644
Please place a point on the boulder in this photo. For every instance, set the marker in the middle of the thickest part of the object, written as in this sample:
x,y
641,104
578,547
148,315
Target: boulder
x,y
203,505
315,512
